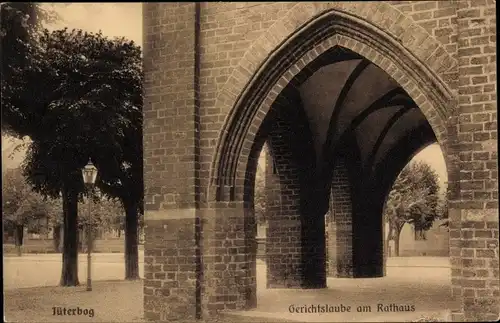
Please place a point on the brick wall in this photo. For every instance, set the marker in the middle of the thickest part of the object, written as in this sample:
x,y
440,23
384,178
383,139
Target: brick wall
x,y
170,150
439,19
474,235
169,107
227,31
436,243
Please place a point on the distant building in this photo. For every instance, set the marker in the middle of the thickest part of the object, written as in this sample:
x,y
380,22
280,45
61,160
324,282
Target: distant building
x,y
434,242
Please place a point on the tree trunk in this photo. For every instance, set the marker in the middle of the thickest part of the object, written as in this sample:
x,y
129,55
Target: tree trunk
x,y
18,239
388,240
131,241
397,233
56,236
61,239
69,274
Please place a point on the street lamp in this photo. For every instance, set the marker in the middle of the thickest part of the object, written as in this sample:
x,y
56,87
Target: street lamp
x,y
89,173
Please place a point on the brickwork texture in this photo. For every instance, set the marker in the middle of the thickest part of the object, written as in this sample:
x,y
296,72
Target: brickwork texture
x,y
215,74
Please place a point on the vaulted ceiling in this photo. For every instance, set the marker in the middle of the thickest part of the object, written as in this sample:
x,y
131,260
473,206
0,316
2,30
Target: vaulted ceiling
x,y
357,97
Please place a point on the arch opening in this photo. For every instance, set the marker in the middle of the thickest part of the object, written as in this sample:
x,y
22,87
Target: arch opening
x,y
325,32
404,110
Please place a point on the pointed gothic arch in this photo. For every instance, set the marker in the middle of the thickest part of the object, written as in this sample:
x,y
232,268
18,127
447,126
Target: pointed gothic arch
x,y
307,33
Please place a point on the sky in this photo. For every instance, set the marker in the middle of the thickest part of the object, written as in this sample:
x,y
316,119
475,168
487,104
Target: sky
x,y
125,20
113,19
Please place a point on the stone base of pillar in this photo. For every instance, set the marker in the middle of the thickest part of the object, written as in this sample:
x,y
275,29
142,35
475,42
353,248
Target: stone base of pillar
x,y
170,268
283,254
198,263
368,271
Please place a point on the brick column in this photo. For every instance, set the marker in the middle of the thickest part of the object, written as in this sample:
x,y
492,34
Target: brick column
x,y
355,231
171,142
313,248
283,242
474,215
368,242
170,269
229,258
340,260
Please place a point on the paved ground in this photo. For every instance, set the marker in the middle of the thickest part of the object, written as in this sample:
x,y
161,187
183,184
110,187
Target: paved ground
x,y
25,271
426,287
109,301
423,283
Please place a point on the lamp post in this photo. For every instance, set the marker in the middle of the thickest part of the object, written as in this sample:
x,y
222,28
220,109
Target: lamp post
x,y
89,173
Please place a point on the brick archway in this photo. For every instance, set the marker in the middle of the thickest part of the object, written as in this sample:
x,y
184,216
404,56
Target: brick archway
x,y
211,72
405,51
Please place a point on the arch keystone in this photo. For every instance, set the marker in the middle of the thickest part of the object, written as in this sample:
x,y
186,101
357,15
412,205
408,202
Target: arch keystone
x,y
304,12
319,6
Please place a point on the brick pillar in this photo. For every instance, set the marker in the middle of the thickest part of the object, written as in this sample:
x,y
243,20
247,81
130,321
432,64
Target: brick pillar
x,y
474,213
355,231
283,242
171,143
313,249
170,269
368,242
340,260
229,258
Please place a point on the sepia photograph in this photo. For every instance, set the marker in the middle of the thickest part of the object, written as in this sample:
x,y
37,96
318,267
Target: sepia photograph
x,y
257,162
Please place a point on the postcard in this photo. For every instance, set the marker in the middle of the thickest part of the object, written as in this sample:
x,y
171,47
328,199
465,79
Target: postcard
x,y
250,162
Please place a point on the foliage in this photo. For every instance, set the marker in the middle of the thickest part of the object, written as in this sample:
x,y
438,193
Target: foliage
x,y
55,204
81,97
260,195
21,24
413,200
442,211
407,205
76,94
21,205
104,212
